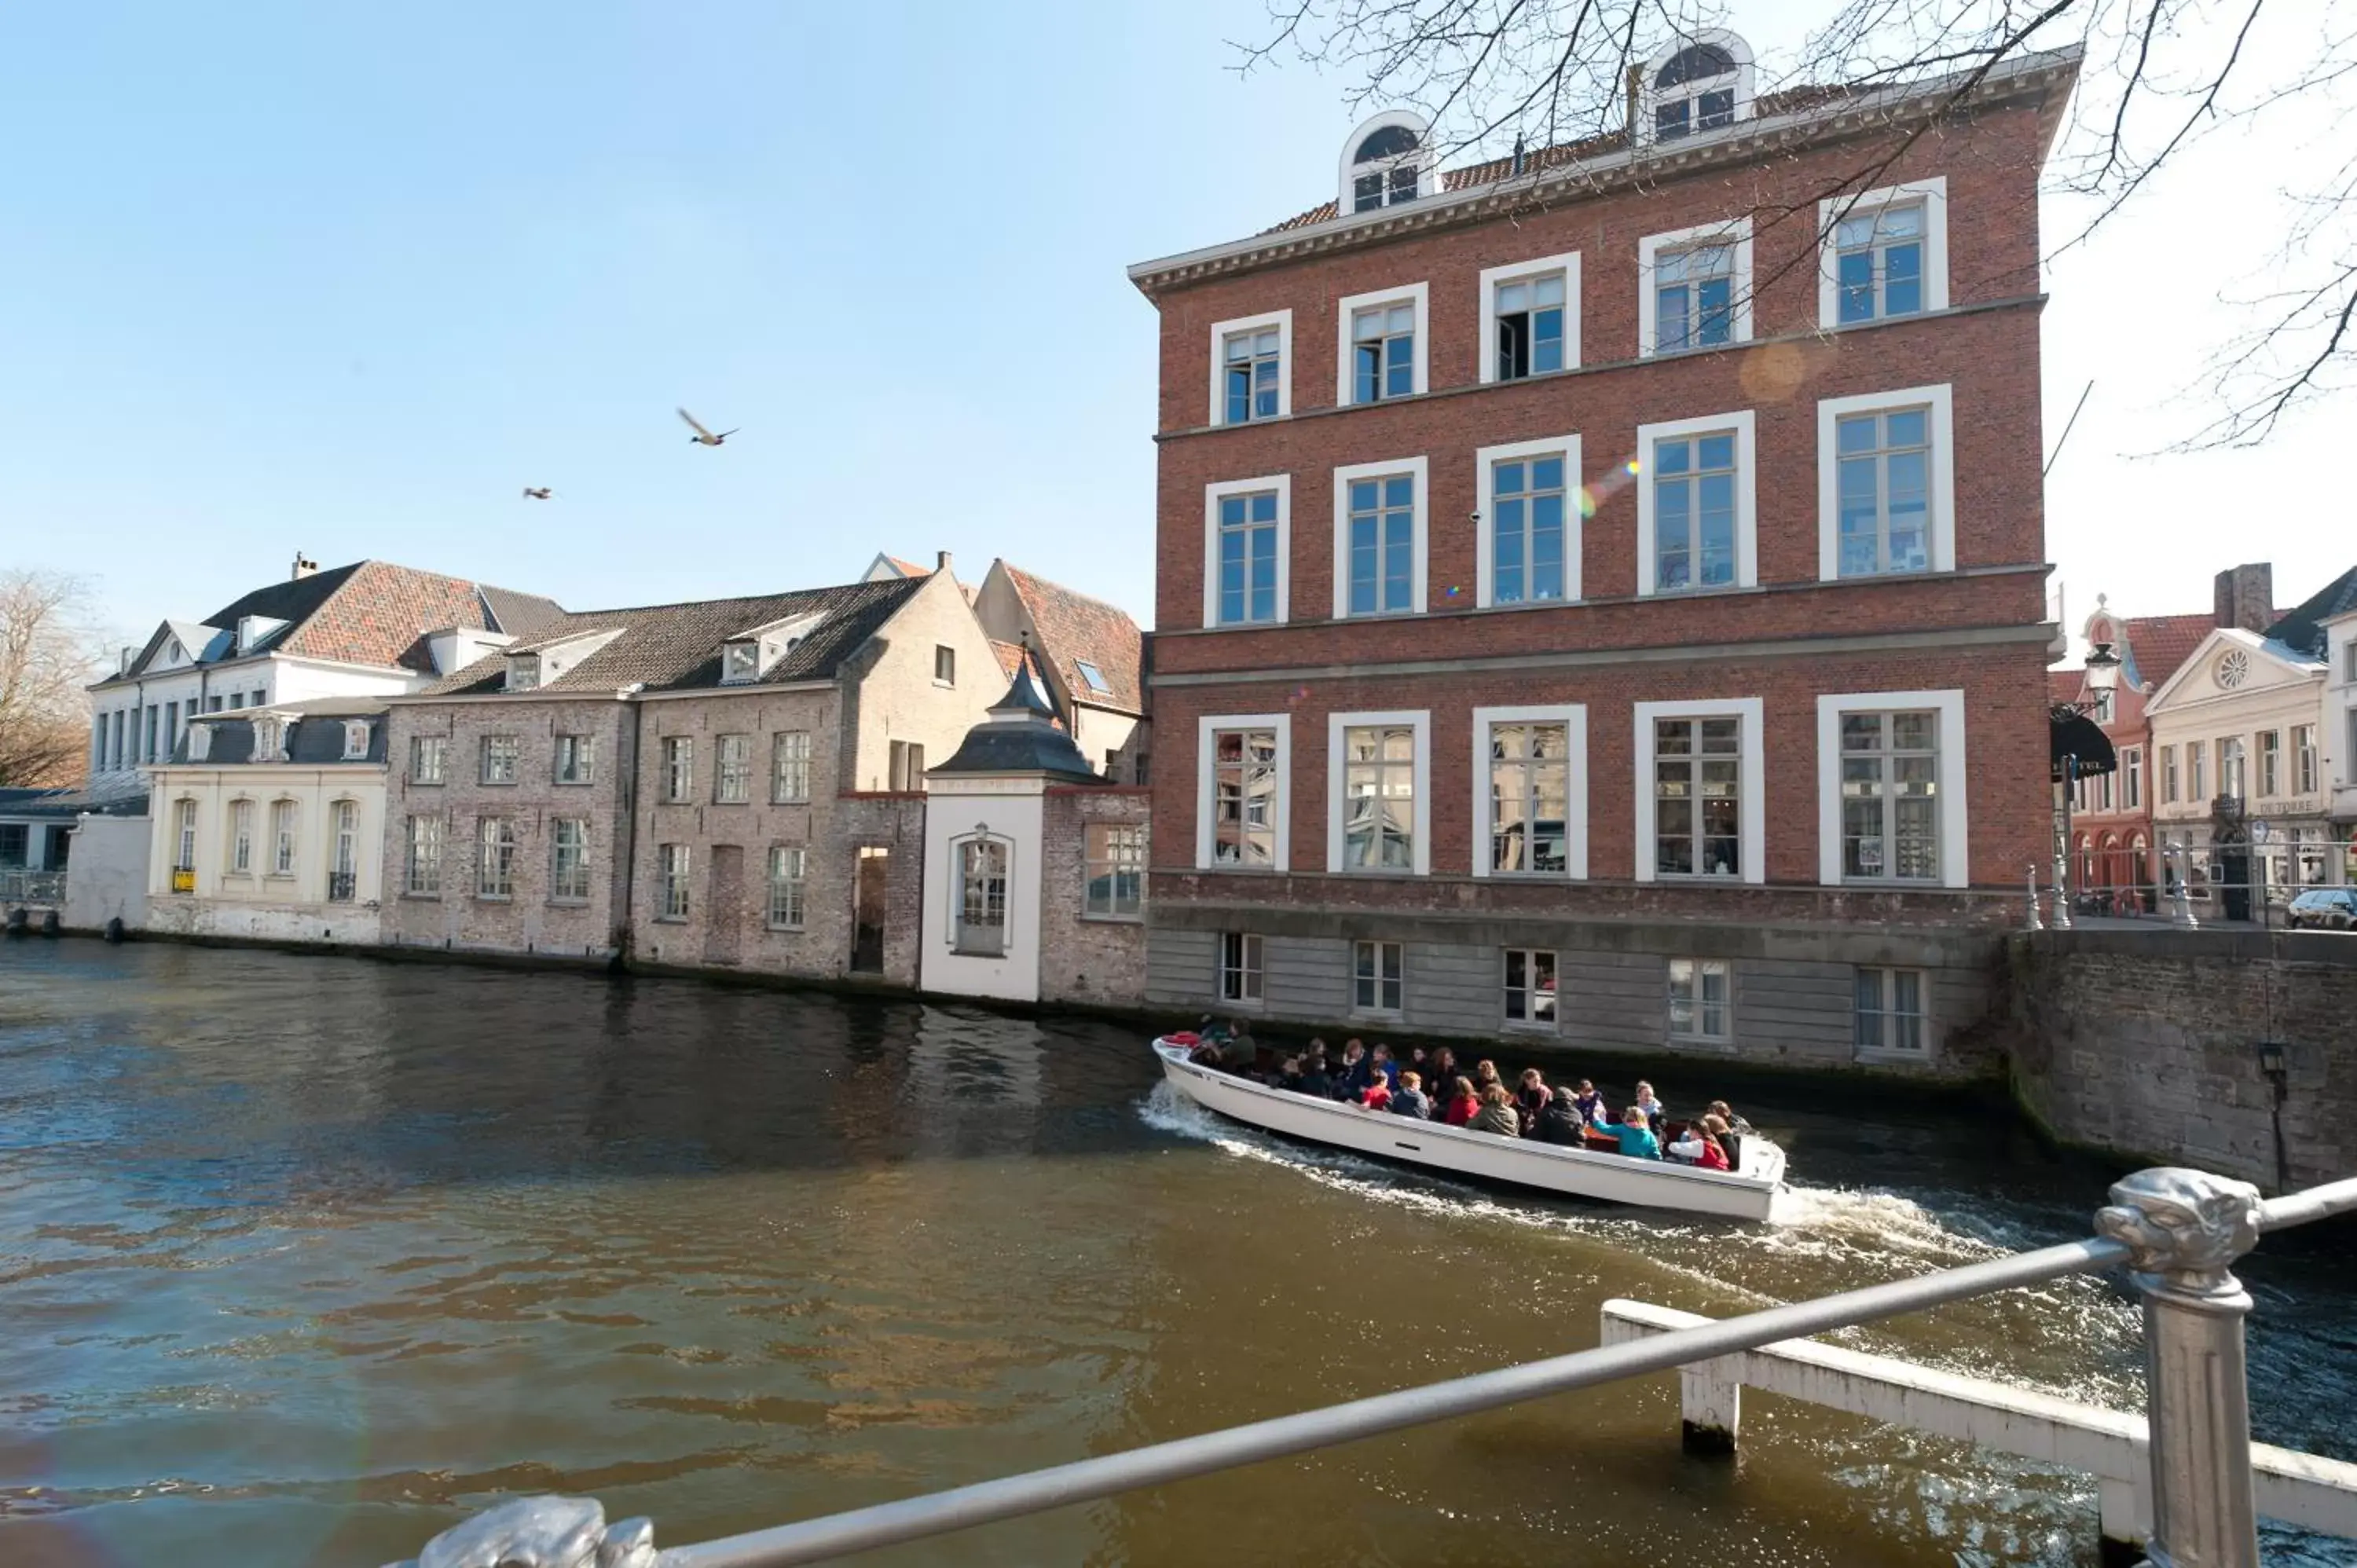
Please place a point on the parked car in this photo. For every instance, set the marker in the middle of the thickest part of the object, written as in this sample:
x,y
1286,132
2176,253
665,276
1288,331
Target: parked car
x,y
2324,909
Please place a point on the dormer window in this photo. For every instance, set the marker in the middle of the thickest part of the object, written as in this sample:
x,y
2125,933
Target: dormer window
x,y
1386,163
266,734
741,661
523,673
356,740
752,654
1703,84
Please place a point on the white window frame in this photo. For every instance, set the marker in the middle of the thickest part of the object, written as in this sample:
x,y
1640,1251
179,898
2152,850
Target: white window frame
x,y
584,760
796,887
674,885
1219,490
2132,782
1420,554
184,845
421,876
1955,823
1741,82
1746,507
1006,911
1250,946
1833,210
1751,778
1418,720
557,892
1424,160
1734,230
1375,1009
1573,716
285,837
786,764
1116,862
1420,367
1485,460
514,766
1529,1024
1886,983
1725,1041
1515,272
1207,790
732,782
678,782
1939,404
356,739
436,747
1224,330
493,834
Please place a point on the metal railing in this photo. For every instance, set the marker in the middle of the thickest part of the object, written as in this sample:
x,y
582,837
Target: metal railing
x,y
2179,1232
19,886
340,886
2192,892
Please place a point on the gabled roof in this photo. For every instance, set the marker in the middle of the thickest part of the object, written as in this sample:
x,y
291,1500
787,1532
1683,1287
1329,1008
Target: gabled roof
x,y
1073,627
671,647
2302,628
1021,736
518,614
2159,646
2220,638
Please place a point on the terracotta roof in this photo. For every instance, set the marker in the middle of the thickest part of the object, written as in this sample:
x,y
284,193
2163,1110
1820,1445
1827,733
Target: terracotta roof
x,y
2159,646
1072,627
670,648
2298,628
1011,657
909,568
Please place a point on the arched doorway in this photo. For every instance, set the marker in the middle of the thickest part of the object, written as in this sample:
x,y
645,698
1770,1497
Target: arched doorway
x,y
2140,856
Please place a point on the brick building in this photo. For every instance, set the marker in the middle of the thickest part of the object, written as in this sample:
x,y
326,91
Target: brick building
x,y
734,783
1601,593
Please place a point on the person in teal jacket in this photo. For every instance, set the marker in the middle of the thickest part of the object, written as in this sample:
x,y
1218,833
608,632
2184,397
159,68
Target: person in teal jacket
x,y
1636,1138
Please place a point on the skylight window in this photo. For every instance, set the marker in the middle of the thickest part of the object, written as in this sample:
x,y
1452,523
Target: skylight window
x,y
1094,677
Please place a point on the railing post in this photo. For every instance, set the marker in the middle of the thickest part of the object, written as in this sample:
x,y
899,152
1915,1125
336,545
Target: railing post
x,y
2184,1229
2034,924
2181,907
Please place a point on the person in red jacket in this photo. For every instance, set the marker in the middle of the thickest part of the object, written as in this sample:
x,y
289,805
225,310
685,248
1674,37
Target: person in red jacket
x,y
1463,1103
1377,1095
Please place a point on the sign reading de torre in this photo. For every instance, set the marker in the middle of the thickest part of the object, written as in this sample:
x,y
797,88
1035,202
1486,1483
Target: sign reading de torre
x,y
1601,593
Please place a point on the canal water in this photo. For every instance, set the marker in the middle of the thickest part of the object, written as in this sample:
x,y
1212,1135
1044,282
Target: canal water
x,y
304,1258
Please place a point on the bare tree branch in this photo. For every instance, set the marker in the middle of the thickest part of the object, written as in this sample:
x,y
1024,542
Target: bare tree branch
x,y
46,659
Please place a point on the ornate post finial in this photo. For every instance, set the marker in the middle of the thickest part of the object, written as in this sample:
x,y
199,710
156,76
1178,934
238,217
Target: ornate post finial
x,y
541,1532
2183,1226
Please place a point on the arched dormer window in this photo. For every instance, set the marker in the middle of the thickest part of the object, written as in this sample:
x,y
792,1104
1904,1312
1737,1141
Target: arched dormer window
x,y
1702,83
1385,163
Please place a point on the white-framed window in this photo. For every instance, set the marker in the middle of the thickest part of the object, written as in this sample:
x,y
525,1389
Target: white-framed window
x,y
1530,988
1694,288
945,664
1247,549
1702,996
241,838
2132,779
675,863
2231,778
904,765
1383,345
2197,772
1380,538
1886,483
1114,865
1890,788
978,918
2104,709
1527,530
424,877
1701,791
576,759
2270,764
1240,967
183,853
282,818
1883,253
2303,760
1890,1011
495,864
1529,318
1701,83
1530,791
787,864
1379,792
1244,783
1378,977
427,758
356,739
1252,368
679,768
739,663
1385,163
2169,775
732,770
500,756
344,851
790,766
568,859
269,739
1697,515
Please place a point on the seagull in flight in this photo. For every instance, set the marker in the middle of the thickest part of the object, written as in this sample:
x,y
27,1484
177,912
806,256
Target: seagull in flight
x,y
704,438
541,494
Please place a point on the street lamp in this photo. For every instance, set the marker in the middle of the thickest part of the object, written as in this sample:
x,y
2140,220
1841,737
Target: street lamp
x,y
2102,678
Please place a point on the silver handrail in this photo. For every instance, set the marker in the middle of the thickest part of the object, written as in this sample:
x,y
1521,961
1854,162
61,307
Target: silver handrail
x,y
2179,1230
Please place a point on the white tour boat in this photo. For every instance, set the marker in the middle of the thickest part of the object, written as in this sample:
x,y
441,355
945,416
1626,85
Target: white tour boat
x,y
1754,1190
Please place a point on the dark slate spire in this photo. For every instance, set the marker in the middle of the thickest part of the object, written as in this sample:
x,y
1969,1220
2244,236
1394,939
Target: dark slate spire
x,y
1021,737
1025,699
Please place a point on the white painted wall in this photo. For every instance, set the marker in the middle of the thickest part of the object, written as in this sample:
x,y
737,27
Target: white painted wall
x,y
1014,809
106,874
261,903
276,679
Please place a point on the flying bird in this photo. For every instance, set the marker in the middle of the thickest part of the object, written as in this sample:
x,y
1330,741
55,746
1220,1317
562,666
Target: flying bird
x,y
704,438
541,494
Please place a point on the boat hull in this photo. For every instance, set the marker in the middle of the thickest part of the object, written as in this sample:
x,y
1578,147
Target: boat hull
x,y
1754,1193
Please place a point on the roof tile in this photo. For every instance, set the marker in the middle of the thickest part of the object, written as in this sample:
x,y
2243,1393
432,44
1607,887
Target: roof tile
x,y
1073,627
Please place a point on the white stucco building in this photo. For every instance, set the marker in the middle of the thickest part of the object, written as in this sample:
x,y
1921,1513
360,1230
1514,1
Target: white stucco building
x,y
2338,728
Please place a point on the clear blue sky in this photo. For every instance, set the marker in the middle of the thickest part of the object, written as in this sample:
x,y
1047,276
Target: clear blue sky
x,y
277,276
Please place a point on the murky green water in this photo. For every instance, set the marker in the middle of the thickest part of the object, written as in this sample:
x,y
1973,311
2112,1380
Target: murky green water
x,y
304,1258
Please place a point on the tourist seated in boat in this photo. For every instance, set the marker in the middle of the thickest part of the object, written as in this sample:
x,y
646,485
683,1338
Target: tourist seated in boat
x,y
1588,1103
1485,1078
1463,1103
1409,1098
1214,1031
1655,1112
1355,1068
1734,1124
1377,1095
1531,1097
1496,1114
1382,1060
1634,1135
1699,1146
1441,1071
1315,1081
1208,1053
1559,1122
1287,1075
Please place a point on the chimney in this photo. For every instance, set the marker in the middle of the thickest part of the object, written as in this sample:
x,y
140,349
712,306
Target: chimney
x,y
2246,596
941,562
304,567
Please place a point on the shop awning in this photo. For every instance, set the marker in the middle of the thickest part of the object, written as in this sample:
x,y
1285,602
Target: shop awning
x,y
2076,736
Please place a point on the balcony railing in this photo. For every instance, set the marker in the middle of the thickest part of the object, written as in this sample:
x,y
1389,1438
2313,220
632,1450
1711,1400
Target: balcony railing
x,y
19,887
2177,1234
340,886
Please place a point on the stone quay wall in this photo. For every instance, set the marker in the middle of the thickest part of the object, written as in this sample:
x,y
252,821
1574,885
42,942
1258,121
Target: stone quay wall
x,y
2146,1044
